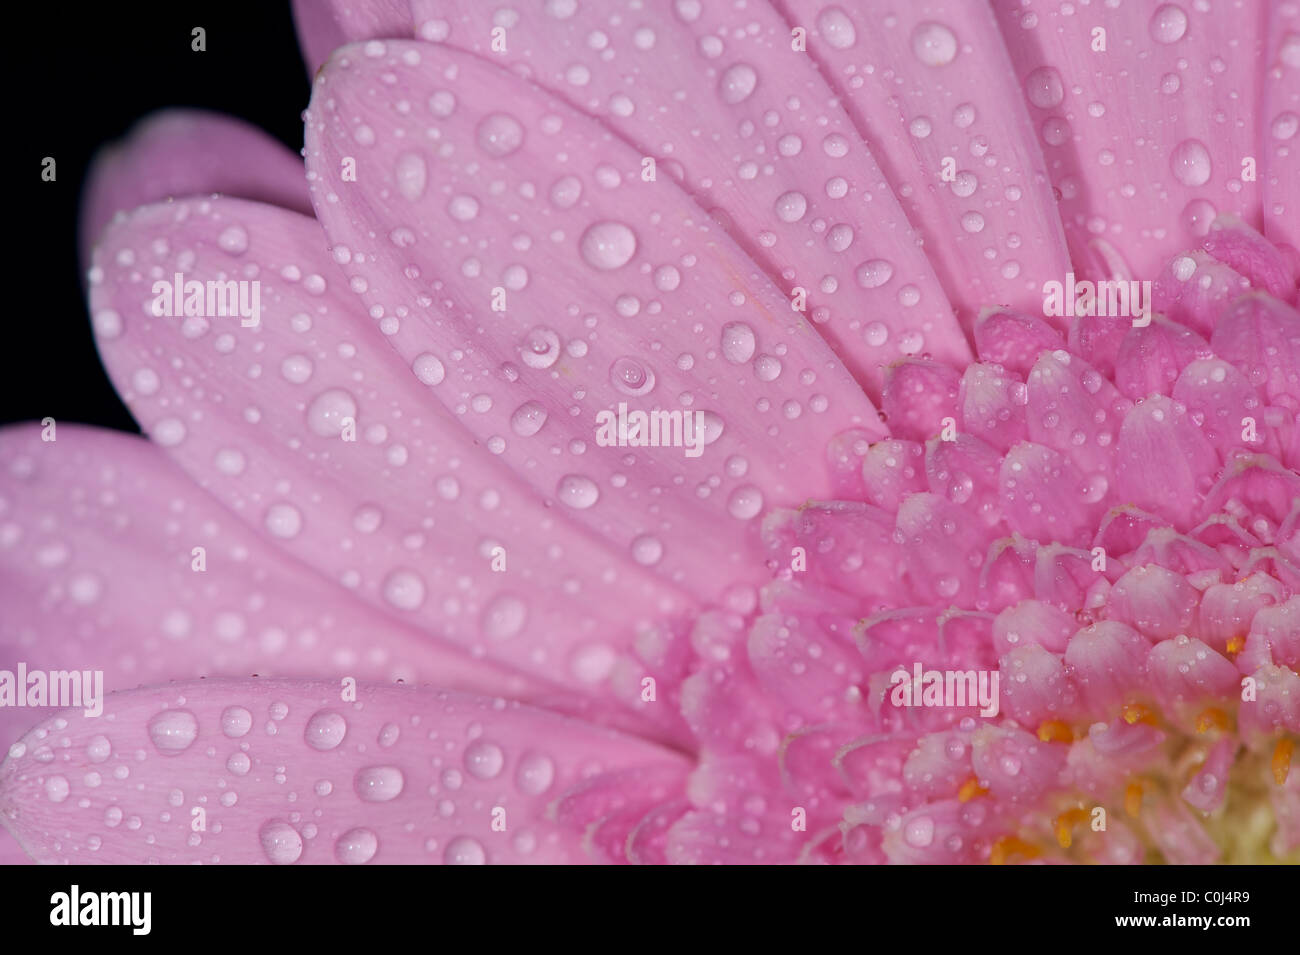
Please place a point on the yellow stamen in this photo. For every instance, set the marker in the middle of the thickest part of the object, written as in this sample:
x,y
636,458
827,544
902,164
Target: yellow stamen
x,y
1067,821
1282,760
970,789
1236,645
1211,718
1133,798
1055,731
1139,713
1009,846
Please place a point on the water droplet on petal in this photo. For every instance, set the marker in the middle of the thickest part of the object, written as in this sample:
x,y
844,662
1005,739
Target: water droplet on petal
x,y
1190,163
464,851
737,83
356,847
379,783
934,44
608,245
500,134
172,731
484,760
325,730
577,492
281,843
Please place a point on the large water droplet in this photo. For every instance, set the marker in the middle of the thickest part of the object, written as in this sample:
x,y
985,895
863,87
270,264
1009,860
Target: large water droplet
x,y
577,491
874,273
356,847
540,348
172,731
1168,24
484,760
325,730
737,83
1190,163
500,134
534,774
379,783
1044,87
738,342
412,175
464,851
608,245
326,412
836,28
528,419
934,44
281,843
404,589
631,377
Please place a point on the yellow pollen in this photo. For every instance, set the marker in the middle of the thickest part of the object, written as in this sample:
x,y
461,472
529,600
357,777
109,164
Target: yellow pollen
x,y
1133,798
1236,645
1009,846
1282,760
1055,731
1211,718
970,789
1067,821
1139,713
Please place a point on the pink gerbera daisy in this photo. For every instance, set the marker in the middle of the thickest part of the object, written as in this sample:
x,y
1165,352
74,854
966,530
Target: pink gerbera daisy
x,y
749,432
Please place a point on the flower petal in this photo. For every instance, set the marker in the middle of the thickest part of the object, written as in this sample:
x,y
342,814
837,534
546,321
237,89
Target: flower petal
x,y
286,771
1138,154
178,153
644,302
310,429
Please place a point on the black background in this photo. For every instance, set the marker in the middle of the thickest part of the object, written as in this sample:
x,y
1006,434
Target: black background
x,y
83,76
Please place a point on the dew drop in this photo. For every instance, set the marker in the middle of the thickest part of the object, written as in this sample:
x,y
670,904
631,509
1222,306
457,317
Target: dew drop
x,y
325,730
484,760
934,44
173,731
500,134
281,843
577,491
608,245
356,847
379,783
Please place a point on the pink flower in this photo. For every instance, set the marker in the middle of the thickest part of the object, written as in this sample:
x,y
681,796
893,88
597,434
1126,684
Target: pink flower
x,y
784,218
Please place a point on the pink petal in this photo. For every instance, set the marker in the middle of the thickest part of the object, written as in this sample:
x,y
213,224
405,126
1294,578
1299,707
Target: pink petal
x,y
1207,789
891,470
1227,611
1235,244
1035,686
1014,765
1151,357
1014,340
942,548
1279,109
1277,630
1185,674
1044,496
717,322
1032,622
800,666
965,471
1163,462
399,776
827,220
1140,162
953,94
178,153
1073,409
1194,288
1220,399
1108,664
1155,600
1261,336
918,396
325,25
1276,705
993,405
257,416
98,570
